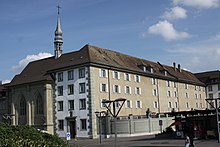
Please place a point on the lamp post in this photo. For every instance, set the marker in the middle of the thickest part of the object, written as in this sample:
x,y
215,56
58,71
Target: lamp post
x,y
114,113
216,100
99,115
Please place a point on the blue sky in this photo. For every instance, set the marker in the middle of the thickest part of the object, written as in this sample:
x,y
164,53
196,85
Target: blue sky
x,y
183,31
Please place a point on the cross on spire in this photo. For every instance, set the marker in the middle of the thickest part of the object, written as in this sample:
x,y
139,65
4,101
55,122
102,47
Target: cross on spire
x,y
58,8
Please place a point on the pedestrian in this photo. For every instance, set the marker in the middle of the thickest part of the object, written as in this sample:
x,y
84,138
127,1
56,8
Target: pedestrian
x,y
187,141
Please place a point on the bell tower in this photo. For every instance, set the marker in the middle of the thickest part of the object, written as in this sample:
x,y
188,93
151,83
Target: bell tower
x,y
58,39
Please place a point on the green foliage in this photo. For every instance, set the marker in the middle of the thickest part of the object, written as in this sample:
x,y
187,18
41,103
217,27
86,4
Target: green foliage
x,y
25,136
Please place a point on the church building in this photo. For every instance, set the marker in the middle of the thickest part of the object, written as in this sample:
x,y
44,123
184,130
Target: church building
x,y
61,94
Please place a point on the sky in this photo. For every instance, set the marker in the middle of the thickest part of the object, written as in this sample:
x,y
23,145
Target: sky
x,y
186,32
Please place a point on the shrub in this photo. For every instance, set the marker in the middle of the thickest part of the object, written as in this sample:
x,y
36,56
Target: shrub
x,y
19,136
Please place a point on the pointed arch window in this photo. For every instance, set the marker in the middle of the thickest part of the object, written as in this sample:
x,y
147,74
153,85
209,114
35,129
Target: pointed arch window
x,y
22,106
39,105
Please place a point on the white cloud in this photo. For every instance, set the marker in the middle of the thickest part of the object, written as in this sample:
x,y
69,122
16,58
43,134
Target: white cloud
x,y
6,81
175,13
167,31
22,63
199,56
203,4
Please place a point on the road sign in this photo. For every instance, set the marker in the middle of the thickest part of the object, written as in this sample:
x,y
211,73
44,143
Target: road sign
x,y
68,136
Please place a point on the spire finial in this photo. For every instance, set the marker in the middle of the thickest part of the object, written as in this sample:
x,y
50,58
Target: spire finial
x,y
58,8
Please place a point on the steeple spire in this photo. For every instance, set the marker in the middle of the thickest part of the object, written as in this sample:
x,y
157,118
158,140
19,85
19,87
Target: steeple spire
x,y
58,39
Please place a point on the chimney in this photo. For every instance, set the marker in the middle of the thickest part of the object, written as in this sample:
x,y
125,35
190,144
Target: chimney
x,y
174,66
179,68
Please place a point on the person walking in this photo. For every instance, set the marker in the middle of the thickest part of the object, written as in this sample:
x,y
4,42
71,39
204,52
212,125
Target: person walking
x,y
187,141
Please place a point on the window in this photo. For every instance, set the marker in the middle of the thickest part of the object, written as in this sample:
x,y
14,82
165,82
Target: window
x,y
196,96
210,88
168,83
60,124
137,90
154,92
176,105
83,124
200,96
70,75
60,90
103,87
154,81
218,95
174,84
71,104
60,76
187,105
70,89
175,94
128,104
169,105
116,89
82,104
82,87
39,105
103,105
186,86
127,77
82,73
218,87
137,78
168,93
186,95
196,105
210,95
201,105
155,104
103,73
138,104
116,75
60,106
22,106
127,90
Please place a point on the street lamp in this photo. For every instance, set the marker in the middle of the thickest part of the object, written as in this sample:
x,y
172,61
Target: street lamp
x,y
99,115
114,113
210,101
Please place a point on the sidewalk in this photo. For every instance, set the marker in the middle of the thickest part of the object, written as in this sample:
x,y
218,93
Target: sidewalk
x,y
141,141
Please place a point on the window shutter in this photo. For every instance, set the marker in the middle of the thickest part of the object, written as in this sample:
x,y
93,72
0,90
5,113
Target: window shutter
x,y
119,88
152,81
140,90
125,89
135,78
118,75
124,76
139,77
129,77
106,87
100,73
153,92
129,90
100,87
106,73
131,103
113,87
113,74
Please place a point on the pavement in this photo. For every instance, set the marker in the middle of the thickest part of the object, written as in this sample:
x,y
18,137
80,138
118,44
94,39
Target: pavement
x,y
141,141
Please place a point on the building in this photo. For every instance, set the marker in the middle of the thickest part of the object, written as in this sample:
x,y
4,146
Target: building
x,y
4,101
61,94
211,79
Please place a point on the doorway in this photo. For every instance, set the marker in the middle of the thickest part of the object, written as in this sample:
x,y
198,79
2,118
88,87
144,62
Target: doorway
x,y
72,125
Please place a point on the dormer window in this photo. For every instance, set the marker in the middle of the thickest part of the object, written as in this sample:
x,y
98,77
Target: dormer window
x,y
146,68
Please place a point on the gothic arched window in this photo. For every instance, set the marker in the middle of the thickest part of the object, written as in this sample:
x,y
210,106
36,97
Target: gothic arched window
x,y
22,106
39,105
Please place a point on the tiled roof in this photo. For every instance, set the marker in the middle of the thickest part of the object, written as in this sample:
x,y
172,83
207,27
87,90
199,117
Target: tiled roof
x,y
209,77
38,70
